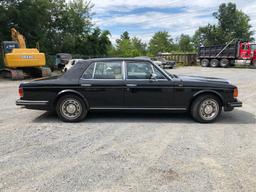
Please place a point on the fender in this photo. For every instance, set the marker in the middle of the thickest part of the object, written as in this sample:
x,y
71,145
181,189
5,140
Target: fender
x,y
208,91
74,92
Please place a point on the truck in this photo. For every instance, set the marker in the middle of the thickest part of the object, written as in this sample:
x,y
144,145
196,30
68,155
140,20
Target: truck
x,y
235,52
20,61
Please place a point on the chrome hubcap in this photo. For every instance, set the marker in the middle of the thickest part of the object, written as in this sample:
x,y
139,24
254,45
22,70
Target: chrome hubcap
x,y
71,109
209,109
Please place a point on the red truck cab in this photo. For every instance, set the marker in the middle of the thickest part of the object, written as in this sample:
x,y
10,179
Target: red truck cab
x,y
247,51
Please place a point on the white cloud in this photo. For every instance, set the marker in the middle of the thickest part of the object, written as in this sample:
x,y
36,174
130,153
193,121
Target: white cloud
x,y
194,13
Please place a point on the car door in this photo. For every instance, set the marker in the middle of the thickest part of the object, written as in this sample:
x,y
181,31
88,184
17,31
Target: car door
x,y
143,91
103,84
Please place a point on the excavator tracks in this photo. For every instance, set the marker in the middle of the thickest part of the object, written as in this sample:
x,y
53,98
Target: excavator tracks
x,y
19,74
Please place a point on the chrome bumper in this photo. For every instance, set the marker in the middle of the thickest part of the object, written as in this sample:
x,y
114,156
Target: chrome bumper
x,y
20,102
235,104
231,105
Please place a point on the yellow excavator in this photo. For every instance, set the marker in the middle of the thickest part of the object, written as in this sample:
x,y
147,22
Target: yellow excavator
x,y
21,62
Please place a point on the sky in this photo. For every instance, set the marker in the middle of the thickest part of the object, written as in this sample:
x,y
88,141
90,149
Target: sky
x,y
142,18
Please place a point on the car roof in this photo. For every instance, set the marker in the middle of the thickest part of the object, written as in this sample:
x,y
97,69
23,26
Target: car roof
x,y
119,59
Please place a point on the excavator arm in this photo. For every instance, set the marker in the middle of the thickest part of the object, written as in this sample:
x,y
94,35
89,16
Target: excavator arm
x,y
16,36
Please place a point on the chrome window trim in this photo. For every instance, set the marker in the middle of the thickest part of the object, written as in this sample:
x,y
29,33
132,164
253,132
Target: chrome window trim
x,y
94,68
123,70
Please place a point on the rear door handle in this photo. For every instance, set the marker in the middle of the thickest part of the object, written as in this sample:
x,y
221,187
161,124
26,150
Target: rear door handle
x,y
86,85
131,85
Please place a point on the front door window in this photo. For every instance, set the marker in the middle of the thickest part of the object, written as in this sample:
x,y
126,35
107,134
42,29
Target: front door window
x,y
142,70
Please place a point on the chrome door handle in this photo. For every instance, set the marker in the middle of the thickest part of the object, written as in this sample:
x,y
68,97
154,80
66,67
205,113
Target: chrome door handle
x,y
86,85
131,85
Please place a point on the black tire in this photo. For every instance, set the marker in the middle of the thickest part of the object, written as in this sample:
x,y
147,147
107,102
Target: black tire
x,y
214,63
204,62
224,63
232,63
72,103
199,110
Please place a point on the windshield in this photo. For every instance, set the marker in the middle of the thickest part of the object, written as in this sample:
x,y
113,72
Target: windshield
x,y
253,47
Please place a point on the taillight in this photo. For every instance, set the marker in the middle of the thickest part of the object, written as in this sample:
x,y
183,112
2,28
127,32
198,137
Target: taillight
x,y
235,92
21,91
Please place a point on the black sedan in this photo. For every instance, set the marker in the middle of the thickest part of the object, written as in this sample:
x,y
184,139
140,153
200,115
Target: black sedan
x,y
127,84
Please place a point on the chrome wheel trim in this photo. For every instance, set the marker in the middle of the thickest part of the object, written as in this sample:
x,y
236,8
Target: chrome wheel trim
x,y
71,109
209,109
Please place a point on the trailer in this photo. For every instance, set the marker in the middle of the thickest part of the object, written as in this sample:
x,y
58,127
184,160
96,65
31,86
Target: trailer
x,y
235,52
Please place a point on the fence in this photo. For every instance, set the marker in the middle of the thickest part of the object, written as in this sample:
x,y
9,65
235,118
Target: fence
x,y
187,59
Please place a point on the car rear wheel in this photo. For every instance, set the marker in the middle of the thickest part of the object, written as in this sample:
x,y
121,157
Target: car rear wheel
x,y
214,63
206,108
224,62
71,108
205,62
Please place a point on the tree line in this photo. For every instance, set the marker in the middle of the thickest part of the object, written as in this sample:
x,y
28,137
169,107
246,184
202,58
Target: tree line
x,y
66,26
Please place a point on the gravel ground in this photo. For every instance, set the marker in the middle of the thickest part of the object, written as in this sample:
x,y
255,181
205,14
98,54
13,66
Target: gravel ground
x,y
130,152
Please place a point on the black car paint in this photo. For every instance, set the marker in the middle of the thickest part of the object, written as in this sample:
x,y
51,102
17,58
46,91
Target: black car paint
x,y
176,93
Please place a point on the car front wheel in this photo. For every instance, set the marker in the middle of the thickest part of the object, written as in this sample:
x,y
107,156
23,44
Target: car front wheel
x,y
206,108
71,108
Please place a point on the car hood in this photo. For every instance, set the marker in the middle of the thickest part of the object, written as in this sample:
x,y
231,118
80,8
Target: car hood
x,y
203,81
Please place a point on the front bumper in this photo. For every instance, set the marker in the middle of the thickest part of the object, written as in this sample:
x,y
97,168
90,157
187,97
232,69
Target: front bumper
x,y
231,105
31,104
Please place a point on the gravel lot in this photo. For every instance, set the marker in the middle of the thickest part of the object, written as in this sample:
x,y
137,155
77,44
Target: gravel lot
x,y
130,152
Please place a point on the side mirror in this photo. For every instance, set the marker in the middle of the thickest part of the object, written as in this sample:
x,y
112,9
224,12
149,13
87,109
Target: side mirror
x,y
153,76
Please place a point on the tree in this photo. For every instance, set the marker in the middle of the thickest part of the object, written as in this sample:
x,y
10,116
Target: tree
x,y
58,25
129,47
232,23
208,35
185,43
160,42
138,46
96,43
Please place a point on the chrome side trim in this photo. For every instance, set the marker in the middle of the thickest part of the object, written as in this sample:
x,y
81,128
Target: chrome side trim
x,y
86,85
30,102
139,108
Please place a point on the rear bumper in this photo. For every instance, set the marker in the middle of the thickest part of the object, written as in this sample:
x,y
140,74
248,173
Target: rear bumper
x,y
31,104
231,105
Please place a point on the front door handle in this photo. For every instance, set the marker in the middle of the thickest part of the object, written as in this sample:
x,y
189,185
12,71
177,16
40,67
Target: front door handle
x,y
131,85
86,85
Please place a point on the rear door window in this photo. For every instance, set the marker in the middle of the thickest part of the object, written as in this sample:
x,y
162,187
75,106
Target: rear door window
x,y
108,70
104,70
